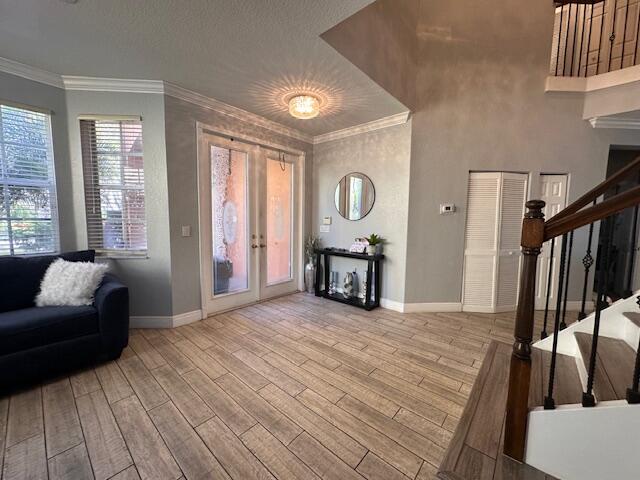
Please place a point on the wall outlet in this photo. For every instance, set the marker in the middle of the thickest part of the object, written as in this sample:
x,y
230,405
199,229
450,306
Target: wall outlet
x,y
186,230
325,228
447,208
326,221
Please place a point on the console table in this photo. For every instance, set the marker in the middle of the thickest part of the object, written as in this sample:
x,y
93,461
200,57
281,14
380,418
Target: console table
x,y
373,273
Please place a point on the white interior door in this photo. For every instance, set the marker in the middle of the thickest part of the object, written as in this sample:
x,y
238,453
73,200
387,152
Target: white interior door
x,y
553,190
249,222
495,208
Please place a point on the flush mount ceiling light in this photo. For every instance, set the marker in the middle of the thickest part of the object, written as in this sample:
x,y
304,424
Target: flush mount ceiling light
x,y
304,106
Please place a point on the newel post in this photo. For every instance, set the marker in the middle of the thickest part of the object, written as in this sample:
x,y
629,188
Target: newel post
x,y
520,372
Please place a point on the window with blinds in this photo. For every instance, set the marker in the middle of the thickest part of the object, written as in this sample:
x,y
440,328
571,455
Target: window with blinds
x,y
28,208
114,186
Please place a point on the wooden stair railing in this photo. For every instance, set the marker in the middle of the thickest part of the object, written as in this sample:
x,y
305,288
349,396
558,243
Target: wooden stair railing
x,y
535,231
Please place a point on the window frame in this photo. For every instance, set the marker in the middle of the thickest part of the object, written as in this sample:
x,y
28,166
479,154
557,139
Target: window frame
x,y
95,188
51,184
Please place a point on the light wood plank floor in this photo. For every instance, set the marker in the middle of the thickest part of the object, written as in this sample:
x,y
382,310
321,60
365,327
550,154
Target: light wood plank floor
x,y
293,388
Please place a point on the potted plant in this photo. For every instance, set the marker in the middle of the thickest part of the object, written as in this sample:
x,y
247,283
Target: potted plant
x,y
375,244
310,246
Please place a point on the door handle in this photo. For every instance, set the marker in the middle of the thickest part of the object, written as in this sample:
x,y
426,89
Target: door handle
x,y
254,246
262,245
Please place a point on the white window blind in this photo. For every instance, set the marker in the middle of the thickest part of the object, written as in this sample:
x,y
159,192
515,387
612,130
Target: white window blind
x,y
28,207
114,186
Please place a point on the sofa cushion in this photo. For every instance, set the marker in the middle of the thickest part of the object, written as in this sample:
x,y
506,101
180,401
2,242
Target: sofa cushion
x,y
20,277
36,326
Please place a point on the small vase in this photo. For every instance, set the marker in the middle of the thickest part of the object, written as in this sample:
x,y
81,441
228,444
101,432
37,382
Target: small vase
x,y
371,249
310,276
379,249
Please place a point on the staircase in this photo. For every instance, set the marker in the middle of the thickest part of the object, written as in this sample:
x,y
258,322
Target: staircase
x,y
565,441
568,405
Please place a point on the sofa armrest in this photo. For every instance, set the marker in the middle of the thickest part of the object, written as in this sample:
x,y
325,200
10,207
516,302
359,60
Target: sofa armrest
x,y
112,302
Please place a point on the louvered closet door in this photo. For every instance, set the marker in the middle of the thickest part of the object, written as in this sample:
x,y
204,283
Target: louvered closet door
x,y
512,199
481,242
495,208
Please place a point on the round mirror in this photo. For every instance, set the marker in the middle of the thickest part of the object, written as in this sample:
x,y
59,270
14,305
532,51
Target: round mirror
x,y
355,196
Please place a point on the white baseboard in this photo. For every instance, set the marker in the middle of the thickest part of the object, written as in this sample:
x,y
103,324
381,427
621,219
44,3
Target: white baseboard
x,y
392,305
420,307
167,321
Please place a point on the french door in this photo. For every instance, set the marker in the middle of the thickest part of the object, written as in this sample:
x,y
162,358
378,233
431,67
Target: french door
x,y
249,228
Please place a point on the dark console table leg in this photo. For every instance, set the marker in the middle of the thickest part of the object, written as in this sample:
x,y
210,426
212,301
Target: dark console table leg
x,y
368,297
327,273
317,285
378,282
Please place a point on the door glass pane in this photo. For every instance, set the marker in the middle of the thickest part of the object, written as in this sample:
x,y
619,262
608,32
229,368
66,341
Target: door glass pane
x,y
229,220
279,220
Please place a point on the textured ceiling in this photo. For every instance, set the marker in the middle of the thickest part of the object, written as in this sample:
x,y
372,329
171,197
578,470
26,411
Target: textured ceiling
x,y
247,53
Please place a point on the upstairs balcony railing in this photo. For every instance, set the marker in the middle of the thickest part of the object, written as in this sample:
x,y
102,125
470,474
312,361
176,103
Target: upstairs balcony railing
x,y
591,37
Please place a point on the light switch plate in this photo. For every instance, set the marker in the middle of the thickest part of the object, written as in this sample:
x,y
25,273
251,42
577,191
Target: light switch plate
x,y
186,230
326,221
325,228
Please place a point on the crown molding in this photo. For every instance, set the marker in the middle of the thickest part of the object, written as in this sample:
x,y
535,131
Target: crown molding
x,y
390,121
120,85
235,112
613,122
30,73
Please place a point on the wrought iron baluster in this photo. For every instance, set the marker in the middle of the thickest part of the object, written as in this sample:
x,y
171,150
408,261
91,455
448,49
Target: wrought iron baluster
x,y
634,243
582,32
544,334
560,25
566,42
612,37
588,400
600,40
633,395
586,62
563,324
549,403
587,262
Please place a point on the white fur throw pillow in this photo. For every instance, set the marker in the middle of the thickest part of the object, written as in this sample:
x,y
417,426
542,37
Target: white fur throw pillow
x,y
70,283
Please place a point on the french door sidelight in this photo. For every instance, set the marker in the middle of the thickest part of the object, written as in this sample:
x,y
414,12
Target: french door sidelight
x,y
249,228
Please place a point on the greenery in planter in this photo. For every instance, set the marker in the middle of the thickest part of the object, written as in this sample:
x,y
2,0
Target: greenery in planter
x,y
310,245
374,239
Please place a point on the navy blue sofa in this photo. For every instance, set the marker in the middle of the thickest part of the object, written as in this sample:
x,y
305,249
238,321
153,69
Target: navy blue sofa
x,y
37,342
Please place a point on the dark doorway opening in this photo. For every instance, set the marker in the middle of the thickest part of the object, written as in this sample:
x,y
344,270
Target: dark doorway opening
x,y
623,263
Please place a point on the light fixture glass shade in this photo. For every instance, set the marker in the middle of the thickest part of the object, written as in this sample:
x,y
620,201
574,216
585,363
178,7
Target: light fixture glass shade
x,y
304,106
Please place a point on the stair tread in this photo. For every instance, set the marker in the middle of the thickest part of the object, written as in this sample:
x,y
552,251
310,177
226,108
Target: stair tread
x,y
567,388
475,451
615,361
634,317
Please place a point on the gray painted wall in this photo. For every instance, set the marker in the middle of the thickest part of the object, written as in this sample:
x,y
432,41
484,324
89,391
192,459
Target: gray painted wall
x,y
384,156
148,279
482,106
29,93
181,140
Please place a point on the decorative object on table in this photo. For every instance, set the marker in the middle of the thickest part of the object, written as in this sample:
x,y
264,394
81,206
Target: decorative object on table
x,y
333,284
374,244
355,196
310,245
365,287
347,286
356,283
359,246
